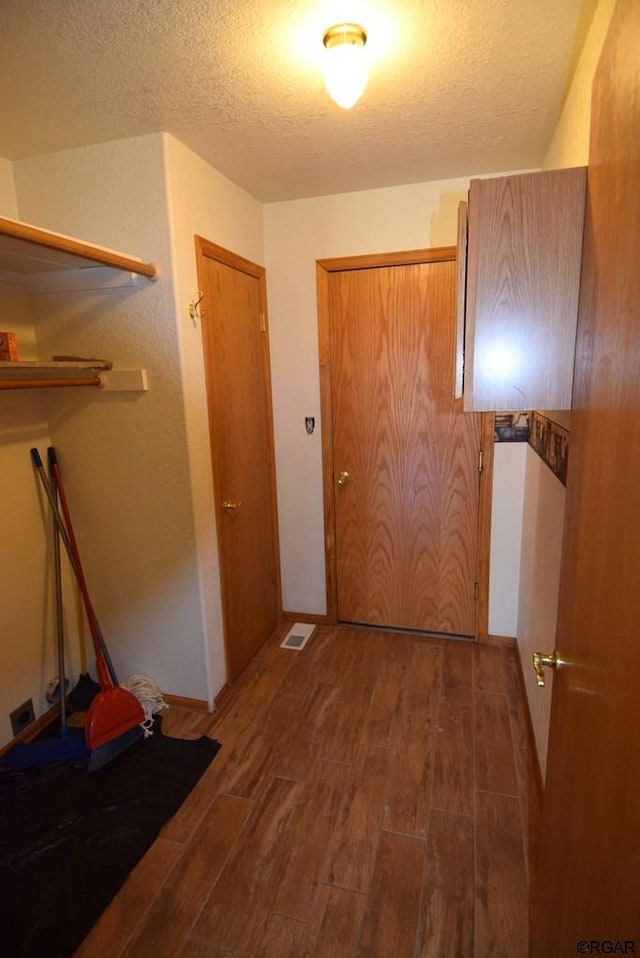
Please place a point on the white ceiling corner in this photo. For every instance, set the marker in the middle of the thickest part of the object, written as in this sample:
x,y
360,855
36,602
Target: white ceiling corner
x,y
456,86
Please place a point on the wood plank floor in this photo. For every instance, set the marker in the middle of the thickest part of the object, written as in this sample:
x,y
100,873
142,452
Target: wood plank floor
x,y
373,798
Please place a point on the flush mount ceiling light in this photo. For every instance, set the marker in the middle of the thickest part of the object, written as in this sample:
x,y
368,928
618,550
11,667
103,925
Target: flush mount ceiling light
x,y
344,66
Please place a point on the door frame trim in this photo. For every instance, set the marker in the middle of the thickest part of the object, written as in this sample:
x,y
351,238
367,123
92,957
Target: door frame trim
x,y
205,249
401,258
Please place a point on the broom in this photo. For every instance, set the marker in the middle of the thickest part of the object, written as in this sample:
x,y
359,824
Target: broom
x,y
85,690
115,715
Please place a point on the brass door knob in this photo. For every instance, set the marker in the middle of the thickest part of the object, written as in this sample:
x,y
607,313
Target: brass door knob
x,y
230,507
343,478
542,660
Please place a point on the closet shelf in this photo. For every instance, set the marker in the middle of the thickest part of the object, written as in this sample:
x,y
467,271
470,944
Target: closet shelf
x,y
26,249
46,262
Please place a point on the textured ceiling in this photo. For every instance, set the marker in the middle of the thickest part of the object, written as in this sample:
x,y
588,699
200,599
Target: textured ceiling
x,y
456,86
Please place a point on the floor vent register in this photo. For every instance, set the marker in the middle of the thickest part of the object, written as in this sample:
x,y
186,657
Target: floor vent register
x,y
298,636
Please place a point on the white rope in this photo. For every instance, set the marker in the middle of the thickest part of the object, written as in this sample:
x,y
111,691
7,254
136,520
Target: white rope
x,y
150,698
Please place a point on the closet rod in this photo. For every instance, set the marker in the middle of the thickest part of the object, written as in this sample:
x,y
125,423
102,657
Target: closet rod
x,y
49,383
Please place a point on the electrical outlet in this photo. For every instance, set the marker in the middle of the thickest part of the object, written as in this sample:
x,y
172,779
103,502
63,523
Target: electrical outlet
x,y
22,716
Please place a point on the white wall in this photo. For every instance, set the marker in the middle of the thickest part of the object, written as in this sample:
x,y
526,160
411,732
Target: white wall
x,y
570,142
506,536
8,199
203,202
296,234
124,456
27,655
27,650
543,515
137,466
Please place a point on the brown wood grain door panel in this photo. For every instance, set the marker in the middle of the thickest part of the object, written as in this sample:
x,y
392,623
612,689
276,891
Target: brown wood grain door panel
x,y
587,881
406,521
239,405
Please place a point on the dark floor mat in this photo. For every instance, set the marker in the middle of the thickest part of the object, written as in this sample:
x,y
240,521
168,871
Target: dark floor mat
x,y
68,838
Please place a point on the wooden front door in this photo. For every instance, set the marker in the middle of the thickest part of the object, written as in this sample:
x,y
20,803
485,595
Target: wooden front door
x,y
588,889
405,457
236,352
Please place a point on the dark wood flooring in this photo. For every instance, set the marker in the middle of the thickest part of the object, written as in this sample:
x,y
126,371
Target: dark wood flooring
x,y
373,798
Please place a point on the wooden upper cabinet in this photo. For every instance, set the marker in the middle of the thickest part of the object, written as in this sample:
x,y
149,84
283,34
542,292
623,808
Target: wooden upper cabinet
x,y
518,285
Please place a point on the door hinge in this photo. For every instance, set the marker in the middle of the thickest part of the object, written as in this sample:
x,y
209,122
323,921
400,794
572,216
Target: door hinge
x,y
476,591
263,323
481,460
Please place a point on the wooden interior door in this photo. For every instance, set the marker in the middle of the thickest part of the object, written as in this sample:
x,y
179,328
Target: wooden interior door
x,y
234,330
405,456
587,882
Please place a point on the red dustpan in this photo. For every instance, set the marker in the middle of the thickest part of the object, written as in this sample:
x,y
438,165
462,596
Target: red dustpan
x,y
111,714
114,717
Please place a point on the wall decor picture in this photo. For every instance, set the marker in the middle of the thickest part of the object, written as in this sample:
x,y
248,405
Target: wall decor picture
x,y
511,427
551,442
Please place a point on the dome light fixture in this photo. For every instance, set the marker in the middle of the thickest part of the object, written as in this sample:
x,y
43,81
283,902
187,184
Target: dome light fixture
x,y
345,70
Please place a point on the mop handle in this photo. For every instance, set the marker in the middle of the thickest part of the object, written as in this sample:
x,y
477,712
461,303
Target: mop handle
x,y
59,619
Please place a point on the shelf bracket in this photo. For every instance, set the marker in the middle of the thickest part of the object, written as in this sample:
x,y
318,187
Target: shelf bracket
x,y
124,381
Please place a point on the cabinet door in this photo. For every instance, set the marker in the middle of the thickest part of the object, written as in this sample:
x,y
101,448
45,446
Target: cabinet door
x,y
461,295
523,274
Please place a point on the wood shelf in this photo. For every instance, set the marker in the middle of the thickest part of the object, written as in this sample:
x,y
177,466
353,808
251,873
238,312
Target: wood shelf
x,y
43,262
26,249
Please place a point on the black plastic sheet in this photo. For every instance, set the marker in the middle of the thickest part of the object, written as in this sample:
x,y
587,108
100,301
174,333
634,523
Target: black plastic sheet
x,y
68,839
